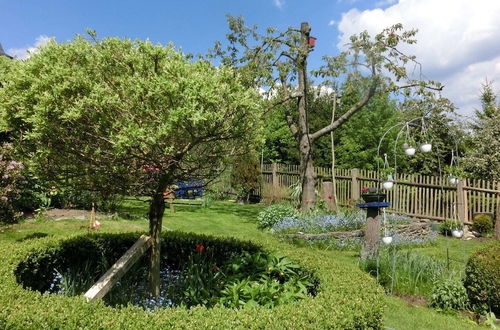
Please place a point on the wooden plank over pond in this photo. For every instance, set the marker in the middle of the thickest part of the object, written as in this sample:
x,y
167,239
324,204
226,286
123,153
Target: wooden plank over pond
x,y
113,275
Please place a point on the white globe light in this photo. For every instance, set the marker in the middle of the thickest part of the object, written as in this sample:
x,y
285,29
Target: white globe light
x,y
387,240
388,185
426,147
410,151
453,180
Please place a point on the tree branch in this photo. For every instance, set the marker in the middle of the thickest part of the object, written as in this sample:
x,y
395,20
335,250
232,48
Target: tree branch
x,y
355,108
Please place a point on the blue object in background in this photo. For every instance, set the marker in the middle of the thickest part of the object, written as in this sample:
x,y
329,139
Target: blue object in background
x,y
189,189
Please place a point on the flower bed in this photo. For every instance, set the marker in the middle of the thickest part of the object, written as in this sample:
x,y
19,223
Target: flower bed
x,y
346,297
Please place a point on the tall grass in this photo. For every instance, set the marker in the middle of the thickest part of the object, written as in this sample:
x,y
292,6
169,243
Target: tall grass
x,y
404,272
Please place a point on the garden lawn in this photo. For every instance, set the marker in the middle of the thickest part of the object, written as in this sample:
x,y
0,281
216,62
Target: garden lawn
x,y
231,219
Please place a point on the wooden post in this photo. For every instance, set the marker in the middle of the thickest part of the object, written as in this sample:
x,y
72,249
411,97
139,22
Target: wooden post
x,y
461,207
275,181
328,195
497,219
113,275
372,238
355,184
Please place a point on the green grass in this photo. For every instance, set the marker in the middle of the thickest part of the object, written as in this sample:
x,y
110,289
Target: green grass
x,y
231,219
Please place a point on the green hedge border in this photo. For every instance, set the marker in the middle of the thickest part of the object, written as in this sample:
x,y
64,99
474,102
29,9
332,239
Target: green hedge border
x,y
347,299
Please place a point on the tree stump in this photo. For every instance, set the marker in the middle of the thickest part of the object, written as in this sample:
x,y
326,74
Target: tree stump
x,y
328,195
372,238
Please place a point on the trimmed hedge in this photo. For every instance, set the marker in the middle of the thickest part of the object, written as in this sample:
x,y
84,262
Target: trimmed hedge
x,y
482,279
347,297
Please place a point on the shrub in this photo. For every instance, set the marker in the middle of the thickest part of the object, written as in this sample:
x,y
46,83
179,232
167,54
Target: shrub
x,y
346,299
448,295
274,213
12,183
482,279
448,225
483,224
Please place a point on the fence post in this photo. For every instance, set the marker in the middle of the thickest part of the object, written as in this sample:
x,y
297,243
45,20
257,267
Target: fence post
x,y
354,184
461,205
275,180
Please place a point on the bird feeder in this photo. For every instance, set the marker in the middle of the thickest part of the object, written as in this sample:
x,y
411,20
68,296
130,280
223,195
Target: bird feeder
x,y
410,151
311,41
426,147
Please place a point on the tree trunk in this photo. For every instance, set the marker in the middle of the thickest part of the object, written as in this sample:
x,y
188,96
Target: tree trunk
x,y
305,144
156,210
309,177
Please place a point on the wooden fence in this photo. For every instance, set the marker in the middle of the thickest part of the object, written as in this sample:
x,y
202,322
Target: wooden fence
x,y
419,196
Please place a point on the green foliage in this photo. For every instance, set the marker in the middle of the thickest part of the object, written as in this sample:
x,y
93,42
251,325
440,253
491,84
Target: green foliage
x,y
113,115
448,295
483,157
448,225
274,213
347,298
12,185
482,279
483,224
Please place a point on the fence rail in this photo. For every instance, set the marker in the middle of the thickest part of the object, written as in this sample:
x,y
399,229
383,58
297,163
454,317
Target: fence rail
x,y
415,195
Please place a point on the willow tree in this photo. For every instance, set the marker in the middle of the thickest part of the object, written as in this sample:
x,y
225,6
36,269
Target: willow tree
x,y
127,115
277,62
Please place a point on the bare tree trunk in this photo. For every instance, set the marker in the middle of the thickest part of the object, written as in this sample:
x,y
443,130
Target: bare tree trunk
x,y
309,178
334,181
306,160
156,210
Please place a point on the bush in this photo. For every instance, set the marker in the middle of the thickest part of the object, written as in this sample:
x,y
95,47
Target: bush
x,y
197,275
448,225
483,224
449,295
274,213
12,184
482,279
346,299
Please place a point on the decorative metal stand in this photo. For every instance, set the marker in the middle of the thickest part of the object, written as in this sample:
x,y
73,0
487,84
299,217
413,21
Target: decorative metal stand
x,y
372,234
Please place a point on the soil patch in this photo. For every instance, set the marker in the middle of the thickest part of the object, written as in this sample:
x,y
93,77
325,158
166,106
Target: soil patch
x,y
414,300
60,214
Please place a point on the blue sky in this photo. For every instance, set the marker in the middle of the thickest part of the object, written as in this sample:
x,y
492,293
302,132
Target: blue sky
x,y
458,40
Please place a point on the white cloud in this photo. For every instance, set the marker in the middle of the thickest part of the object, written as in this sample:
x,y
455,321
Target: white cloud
x,y
332,22
457,41
279,3
24,53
